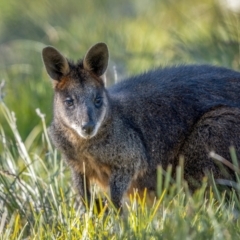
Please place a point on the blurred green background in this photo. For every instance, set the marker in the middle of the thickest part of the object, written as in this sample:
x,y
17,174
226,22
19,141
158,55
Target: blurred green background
x,y
141,34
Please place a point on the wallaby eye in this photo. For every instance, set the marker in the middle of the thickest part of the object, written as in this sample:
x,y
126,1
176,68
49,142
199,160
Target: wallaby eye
x,y
98,101
69,102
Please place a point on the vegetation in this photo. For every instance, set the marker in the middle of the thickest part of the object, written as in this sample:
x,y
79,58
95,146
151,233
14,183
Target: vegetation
x,y
36,197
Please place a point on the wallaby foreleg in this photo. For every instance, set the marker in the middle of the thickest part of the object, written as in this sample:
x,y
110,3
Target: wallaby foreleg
x,y
119,183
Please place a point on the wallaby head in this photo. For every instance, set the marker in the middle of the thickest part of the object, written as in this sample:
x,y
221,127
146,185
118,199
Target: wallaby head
x,y
80,99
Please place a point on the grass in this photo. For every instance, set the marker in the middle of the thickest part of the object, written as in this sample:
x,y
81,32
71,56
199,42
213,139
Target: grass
x,y
37,200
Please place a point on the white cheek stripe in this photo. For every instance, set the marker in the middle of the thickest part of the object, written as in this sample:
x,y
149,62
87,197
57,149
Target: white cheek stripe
x,y
77,129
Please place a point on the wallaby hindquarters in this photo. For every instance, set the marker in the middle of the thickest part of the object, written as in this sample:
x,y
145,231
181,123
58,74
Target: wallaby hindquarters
x,y
118,136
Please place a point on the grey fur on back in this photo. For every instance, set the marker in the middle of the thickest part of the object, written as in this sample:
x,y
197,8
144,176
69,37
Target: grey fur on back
x,y
118,136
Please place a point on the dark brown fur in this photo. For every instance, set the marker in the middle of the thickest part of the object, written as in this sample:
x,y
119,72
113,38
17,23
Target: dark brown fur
x,y
117,137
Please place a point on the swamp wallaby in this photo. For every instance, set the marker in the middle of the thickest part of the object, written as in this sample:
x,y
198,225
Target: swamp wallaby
x,y
118,136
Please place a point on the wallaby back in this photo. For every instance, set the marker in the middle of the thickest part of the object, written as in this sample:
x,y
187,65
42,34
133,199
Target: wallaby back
x,y
118,136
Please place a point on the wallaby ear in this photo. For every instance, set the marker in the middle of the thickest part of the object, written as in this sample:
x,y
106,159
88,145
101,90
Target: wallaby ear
x,y
96,59
55,63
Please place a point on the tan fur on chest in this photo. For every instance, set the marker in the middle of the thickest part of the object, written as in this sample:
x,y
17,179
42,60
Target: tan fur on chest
x,y
87,164
94,171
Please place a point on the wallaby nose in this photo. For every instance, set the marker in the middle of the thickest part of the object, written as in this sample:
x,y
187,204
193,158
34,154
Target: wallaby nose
x,y
88,127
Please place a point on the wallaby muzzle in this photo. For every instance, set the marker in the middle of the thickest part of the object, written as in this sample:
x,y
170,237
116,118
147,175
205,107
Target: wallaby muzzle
x,y
88,128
